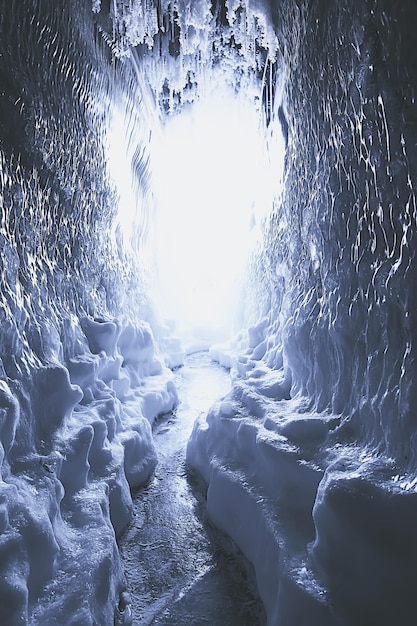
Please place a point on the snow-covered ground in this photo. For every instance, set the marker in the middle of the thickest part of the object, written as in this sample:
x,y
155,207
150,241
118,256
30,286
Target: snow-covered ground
x,y
259,453
328,524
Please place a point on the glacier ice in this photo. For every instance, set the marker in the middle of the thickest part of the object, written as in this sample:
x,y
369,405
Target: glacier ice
x,y
311,459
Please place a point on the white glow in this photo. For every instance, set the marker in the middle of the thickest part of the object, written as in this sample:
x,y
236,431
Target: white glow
x,y
125,137
213,180
119,159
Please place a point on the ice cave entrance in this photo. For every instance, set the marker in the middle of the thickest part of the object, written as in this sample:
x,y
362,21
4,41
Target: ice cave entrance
x,y
216,170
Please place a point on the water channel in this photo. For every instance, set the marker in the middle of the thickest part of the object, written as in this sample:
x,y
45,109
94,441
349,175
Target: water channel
x,y
180,571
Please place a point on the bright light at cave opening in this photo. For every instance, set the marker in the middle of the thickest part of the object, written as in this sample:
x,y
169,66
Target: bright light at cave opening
x,y
216,172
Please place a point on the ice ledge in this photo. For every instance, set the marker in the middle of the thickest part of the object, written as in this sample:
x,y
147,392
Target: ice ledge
x,y
327,525
262,487
75,440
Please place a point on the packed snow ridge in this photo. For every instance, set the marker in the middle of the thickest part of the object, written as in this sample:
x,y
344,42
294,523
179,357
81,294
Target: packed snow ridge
x,y
326,523
76,440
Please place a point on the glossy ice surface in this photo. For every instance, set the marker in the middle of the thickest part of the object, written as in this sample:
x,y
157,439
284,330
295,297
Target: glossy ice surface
x,y
179,570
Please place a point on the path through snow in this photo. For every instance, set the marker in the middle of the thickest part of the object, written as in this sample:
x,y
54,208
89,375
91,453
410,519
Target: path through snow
x,y
179,570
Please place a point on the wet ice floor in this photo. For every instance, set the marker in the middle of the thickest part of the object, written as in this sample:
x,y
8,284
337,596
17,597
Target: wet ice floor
x,y
177,571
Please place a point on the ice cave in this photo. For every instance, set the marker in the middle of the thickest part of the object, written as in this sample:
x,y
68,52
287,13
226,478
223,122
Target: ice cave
x,y
226,178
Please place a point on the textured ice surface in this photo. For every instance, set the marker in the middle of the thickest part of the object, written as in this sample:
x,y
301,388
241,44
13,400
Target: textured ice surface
x,y
311,461
262,472
81,380
176,570
316,443
71,455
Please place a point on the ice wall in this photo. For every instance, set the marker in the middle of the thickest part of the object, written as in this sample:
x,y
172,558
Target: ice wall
x,y
349,254
311,460
80,379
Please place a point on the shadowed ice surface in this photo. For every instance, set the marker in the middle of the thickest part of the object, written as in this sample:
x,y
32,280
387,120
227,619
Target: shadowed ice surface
x,y
180,570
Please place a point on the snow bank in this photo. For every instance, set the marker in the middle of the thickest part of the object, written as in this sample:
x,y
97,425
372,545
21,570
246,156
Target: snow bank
x,y
263,466
75,440
365,547
327,524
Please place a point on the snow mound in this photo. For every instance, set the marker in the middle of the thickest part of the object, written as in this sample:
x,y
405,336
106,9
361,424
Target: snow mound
x,y
75,440
261,465
326,523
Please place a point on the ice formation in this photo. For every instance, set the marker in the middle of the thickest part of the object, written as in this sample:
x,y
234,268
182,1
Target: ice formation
x,y
81,378
310,461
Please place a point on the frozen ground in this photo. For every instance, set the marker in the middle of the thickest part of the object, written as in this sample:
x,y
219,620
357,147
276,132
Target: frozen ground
x,y
179,570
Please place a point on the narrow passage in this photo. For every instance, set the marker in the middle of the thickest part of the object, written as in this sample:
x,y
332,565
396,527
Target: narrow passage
x,y
179,570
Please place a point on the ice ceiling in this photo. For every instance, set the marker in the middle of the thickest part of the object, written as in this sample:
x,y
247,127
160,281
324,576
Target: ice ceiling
x,y
311,462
